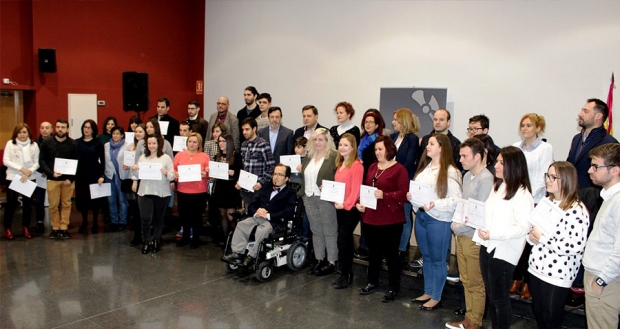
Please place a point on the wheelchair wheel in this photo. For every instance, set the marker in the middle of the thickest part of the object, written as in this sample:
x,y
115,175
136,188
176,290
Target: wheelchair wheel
x,y
263,272
232,267
297,256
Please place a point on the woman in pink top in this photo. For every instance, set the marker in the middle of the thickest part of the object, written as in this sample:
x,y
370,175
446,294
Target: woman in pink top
x,y
193,194
351,172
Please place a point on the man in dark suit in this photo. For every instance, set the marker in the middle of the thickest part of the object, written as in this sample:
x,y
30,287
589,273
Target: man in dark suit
x,y
311,122
197,124
163,106
276,201
279,137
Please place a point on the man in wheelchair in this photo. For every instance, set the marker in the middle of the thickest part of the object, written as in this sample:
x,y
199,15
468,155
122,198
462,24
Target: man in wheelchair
x,y
275,202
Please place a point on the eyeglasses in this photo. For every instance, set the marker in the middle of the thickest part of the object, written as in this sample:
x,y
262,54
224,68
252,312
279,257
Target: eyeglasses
x,y
279,174
551,178
369,122
595,167
221,103
473,130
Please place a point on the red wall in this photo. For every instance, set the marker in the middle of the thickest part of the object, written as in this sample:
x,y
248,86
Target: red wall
x,y
95,42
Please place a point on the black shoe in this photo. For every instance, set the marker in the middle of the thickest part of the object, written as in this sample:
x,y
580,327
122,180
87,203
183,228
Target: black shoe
x,y
432,308
60,235
136,241
39,229
314,269
326,269
83,228
145,248
182,243
361,253
54,234
459,311
420,301
66,235
342,282
233,257
369,289
389,296
155,246
248,261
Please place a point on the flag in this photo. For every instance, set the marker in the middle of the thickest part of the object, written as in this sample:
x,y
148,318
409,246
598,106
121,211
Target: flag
x,y
610,103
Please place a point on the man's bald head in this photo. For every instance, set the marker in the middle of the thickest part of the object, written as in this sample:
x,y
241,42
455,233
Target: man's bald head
x,y
222,104
45,129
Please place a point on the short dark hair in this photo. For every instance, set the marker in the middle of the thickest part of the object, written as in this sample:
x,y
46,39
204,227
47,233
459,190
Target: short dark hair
x,y
134,119
601,107
483,119
515,172
119,128
301,141
265,96
165,100
249,121
288,169
195,103
160,145
93,126
273,109
105,123
252,90
390,147
476,146
63,121
310,107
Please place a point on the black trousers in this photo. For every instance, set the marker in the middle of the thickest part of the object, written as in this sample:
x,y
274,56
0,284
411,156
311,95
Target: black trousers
x,y
383,241
547,303
11,205
347,221
191,207
152,211
39,194
497,276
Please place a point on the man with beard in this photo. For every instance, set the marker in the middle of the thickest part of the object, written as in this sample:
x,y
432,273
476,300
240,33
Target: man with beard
x,y
59,186
250,110
163,106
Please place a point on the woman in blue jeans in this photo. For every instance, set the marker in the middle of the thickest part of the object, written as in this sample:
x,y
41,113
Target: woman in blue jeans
x,y
432,223
114,173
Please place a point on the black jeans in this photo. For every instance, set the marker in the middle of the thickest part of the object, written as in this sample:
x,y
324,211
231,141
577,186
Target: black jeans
x,y
497,276
347,221
191,207
11,205
383,241
39,194
547,303
152,211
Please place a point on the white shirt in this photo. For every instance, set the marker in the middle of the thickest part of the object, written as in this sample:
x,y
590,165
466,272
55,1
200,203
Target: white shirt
x,y
310,176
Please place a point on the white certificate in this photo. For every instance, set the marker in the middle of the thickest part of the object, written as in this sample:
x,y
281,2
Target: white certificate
x,y
292,161
163,126
25,188
546,216
189,173
476,214
420,193
247,180
65,166
129,137
218,170
367,197
460,211
332,191
41,181
149,171
100,191
180,143
129,158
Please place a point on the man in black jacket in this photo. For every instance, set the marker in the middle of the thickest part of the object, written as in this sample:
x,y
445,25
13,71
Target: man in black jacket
x,y
441,123
46,131
276,201
310,116
163,106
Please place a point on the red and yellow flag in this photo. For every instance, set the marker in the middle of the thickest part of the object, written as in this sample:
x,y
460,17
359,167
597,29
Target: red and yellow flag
x,y
610,103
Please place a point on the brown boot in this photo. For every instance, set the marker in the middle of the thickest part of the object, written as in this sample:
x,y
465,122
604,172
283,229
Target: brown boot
x,y
514,287
525,292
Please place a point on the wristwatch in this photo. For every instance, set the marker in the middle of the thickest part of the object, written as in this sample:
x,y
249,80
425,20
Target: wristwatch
x,y
600,282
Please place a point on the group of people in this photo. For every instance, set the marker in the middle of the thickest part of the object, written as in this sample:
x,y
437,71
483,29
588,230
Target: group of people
x,y
509,181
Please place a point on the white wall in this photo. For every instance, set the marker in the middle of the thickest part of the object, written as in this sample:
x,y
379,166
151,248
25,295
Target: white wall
x,y
503,59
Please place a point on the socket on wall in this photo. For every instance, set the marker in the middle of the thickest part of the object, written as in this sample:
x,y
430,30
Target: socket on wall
x,y
6,81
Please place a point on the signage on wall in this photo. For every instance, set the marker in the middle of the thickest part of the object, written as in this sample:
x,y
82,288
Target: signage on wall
x,y
199,87
423,102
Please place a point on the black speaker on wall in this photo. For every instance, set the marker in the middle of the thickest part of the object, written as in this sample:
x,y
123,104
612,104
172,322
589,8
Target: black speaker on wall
x,y
135,91
47,60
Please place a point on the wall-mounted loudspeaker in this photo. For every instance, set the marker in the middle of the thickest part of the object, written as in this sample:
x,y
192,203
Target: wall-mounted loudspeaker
x,y
135,91
47,60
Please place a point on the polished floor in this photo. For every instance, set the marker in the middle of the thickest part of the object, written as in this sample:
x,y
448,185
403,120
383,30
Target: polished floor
x,y
98,281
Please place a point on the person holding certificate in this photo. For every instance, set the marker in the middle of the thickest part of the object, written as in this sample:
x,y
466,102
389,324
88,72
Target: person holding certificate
x,y
114,173
153,195
192,194
555,258
432,224
319,165
383,226
225,196
349,171
90,170
133,211
502,240
20,157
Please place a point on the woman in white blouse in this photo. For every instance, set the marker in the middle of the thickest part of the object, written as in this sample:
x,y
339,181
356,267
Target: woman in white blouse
x,y
21,158
555,258
153,195
432,224
503,237
539,155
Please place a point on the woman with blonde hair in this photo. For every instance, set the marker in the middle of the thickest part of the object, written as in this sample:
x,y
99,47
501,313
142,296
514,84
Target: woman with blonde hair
x,y
319,165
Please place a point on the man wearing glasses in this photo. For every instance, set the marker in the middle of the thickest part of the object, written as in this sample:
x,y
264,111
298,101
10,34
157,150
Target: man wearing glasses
x,y
225,116
197,124
479,125
601,258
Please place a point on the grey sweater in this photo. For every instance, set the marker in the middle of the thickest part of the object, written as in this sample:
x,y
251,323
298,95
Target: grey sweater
x,y
478,188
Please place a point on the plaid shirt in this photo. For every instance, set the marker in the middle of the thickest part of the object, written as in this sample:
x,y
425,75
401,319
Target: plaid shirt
x,y
211,148
258,159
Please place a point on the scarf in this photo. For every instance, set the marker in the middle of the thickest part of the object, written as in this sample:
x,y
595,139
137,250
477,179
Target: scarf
x,y
26,151
366,141
114,149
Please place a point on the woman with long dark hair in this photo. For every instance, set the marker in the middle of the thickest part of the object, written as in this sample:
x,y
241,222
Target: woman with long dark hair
x,y
134,121
90,170
106,135
225,196
506,226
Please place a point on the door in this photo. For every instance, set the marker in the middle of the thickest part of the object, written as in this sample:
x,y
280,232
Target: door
x,y
81,107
